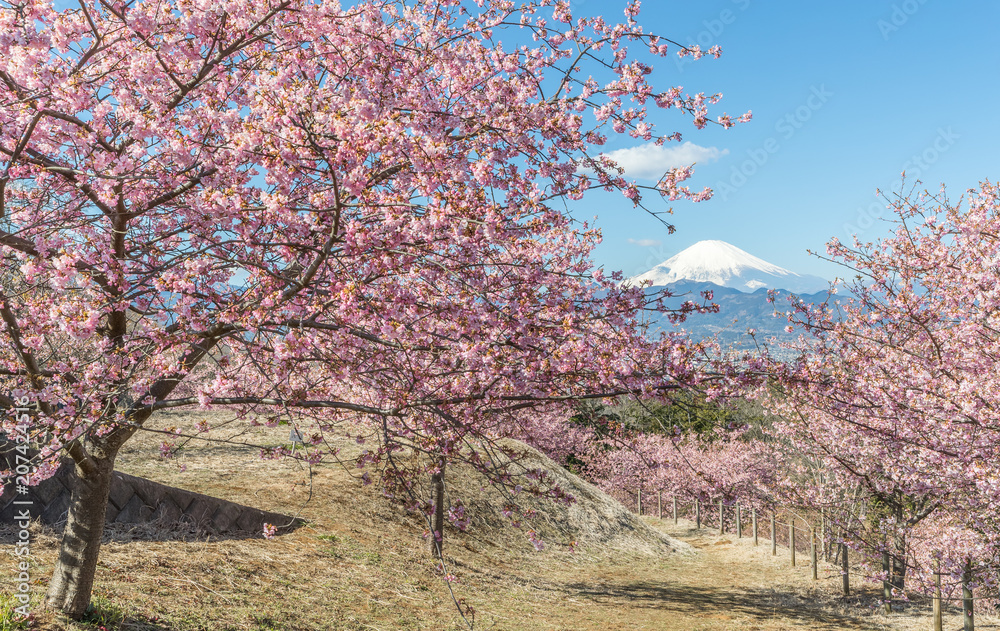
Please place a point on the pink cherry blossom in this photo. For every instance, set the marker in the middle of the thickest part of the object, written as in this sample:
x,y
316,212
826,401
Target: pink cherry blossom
x,y
350,214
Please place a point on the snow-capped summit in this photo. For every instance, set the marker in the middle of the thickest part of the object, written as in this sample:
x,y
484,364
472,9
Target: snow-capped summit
x,y
723,264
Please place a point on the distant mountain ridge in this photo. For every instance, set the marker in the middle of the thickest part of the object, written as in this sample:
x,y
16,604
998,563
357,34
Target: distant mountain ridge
x,y
739,313
726,265
739,282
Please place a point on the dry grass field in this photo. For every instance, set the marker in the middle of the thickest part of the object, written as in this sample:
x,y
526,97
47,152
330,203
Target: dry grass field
x,y
360,562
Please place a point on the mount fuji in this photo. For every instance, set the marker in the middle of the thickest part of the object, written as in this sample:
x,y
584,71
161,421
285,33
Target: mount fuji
x,y
720,263
739,282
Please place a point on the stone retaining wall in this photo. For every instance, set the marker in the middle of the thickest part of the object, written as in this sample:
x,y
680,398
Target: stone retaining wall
x,y
135,500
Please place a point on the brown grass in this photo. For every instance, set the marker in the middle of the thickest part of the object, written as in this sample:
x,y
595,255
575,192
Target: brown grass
x,y
360,562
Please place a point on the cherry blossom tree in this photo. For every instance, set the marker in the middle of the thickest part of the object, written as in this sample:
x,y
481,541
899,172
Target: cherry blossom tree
x,y
895,394
298,206
732,468
626,448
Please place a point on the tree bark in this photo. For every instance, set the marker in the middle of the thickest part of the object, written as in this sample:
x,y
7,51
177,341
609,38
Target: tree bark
x,y
437,518
887,583
73,578
899,563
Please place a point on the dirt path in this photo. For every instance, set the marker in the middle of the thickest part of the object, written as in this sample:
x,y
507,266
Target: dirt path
x,y
727,584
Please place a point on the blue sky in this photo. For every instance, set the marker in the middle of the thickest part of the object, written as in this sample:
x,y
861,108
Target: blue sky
x,y
845,96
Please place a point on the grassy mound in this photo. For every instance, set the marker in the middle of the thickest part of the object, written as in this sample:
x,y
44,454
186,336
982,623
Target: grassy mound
x,y
360,562
594,520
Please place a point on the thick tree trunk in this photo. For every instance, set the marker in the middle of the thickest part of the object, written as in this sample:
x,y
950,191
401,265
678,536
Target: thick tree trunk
x,y
899,557
899,565
73,578
437,518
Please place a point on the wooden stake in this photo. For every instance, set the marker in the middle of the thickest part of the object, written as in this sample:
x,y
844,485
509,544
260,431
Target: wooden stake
x,y
886,586
697,513
791,539
774,538
824,550
659,504
722,519
844,570
753,517
938,622
675,510
812,551
739,522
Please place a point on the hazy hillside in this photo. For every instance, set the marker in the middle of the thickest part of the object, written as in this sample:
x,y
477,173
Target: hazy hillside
x,y
738,312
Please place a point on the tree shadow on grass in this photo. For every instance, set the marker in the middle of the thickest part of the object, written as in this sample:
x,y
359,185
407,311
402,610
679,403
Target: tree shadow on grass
x,y
758,604
151,531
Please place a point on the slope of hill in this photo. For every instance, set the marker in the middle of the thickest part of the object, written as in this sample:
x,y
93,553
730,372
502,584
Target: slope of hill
x,y
360,563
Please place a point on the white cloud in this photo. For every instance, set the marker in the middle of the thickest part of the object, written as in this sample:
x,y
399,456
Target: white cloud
x,y
646,243
650,162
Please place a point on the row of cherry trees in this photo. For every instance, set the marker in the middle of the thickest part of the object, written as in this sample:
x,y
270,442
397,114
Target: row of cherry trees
x,y
895,400
887,422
